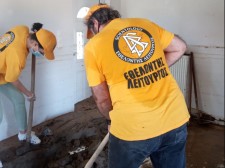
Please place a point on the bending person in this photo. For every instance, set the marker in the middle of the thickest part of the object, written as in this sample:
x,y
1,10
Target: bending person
x,y
15,45
127,64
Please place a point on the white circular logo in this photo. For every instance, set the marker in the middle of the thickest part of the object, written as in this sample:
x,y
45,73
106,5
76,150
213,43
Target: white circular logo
x,y
134,45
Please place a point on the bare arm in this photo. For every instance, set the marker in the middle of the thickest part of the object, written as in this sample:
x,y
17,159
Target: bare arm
x,y
175,50
22,88
102,98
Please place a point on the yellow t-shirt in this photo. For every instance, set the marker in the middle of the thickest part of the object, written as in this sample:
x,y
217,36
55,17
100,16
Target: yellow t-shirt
x,y
13,53
128,54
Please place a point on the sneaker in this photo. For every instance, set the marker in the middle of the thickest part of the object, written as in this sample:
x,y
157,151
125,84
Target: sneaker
x,y
1,165
33,140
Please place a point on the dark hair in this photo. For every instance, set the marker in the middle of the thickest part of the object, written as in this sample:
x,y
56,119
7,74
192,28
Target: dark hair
x,y
36,27
102,15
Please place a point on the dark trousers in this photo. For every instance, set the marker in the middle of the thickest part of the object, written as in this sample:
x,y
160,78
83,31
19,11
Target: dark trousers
x,y
165,151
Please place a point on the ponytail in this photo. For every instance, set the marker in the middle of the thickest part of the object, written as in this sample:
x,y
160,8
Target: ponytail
x,y
36,27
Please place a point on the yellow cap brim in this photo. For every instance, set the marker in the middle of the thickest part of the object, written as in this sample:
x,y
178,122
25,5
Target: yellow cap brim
x,y
89,34
49,55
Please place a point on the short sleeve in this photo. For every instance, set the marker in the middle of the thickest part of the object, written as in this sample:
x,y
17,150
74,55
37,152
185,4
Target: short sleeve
x,y
92,66
165,36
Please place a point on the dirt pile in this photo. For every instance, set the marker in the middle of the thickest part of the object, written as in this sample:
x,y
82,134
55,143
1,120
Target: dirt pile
x,y
70,141
79,147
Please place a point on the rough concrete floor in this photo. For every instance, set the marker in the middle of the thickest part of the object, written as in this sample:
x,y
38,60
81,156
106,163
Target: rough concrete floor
x,y
85,126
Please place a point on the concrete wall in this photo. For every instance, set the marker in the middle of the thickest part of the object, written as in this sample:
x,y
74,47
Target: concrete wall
x,y
201,24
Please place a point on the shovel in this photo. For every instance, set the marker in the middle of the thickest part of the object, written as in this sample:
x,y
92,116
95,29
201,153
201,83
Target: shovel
x,y
31,108
97,152
28,147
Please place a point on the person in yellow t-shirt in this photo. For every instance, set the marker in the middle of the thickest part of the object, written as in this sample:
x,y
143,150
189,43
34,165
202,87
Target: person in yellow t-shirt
x,y
15,45
127,65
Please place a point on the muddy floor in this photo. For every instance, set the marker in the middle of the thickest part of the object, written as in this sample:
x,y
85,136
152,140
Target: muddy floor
x,y
70,140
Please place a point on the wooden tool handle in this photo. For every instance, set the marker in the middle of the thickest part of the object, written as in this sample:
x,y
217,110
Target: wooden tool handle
x,y
30,117
97,152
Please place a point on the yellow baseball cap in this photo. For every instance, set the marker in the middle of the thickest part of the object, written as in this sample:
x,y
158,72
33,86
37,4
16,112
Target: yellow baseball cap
x,y
92,10
48,41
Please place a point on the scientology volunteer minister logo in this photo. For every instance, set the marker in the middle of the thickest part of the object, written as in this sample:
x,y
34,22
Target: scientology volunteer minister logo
x,y
6,40
134,45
